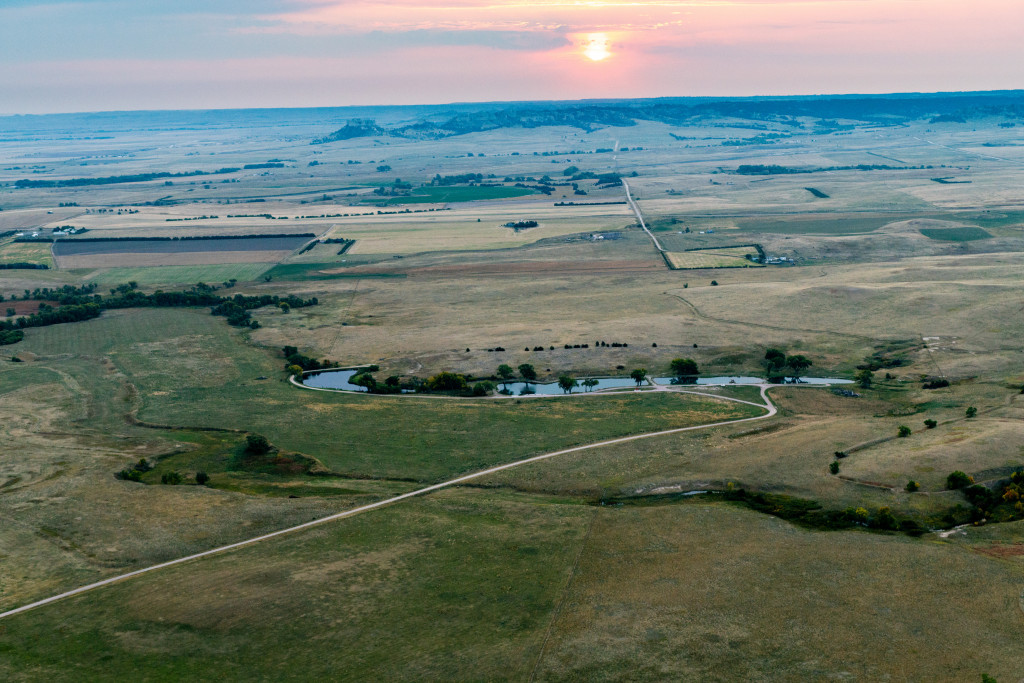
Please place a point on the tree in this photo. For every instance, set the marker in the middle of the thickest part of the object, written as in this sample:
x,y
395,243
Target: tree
x,y
833,467
864,378
590,383
257,443
903,431
505,372
638,376
202,478
774,362
684,368
798,364
912,486
971,411
527,372
171,478
295,370
365,380
958,480
567,383
482,388
446,381
930,424
884,519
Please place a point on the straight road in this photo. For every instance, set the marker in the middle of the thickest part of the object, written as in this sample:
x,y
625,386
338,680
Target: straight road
x,y
768,405
640,217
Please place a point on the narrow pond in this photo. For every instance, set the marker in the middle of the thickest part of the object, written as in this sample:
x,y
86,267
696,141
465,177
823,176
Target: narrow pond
x,y
339,379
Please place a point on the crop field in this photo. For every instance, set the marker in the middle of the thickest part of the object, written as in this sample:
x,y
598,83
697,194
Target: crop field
x,y
25,252
734,257
112,254
965,234
600,564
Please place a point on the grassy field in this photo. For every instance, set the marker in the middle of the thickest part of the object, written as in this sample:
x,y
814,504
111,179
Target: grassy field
x,y
569,592
965,234
25,252
164,275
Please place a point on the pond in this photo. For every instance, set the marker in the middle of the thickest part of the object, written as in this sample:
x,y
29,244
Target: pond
x,y
332,379
552,388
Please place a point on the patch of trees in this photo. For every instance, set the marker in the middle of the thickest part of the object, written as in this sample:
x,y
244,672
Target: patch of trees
x,y
115,179
297,360
521,225
1002,501
23,266
937,383
11,337
776,363
801,511
816,192
269,164
773,169
135,472
459,179
48,315
77,304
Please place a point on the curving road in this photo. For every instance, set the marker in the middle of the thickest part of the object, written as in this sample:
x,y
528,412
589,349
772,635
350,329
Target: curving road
x,y
768,405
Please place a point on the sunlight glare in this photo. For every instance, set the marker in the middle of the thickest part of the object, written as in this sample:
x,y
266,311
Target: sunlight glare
x,y
596,47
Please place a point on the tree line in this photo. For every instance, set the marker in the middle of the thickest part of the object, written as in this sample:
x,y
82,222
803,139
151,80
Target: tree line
x,y
82,303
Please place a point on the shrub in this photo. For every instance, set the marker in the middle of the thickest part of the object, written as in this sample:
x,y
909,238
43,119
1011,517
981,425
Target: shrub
x,y
171,478
912,486
958,480
840,454
833,467
257,443
903,431
714,283
202,478
930,424
884,519
971,411
129,474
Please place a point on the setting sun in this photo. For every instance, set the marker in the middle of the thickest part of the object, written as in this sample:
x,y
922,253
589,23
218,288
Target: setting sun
x,y
596,47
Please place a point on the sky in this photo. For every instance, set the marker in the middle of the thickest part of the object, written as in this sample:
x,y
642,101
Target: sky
x,y
100,55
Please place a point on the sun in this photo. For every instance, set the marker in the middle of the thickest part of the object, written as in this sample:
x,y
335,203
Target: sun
x,y
595,48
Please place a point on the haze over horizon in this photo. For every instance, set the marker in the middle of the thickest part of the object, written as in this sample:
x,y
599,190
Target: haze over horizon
x,y
92,55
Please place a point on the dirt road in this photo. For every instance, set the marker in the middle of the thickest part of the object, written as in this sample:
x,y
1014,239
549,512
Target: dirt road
x,y
767,405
